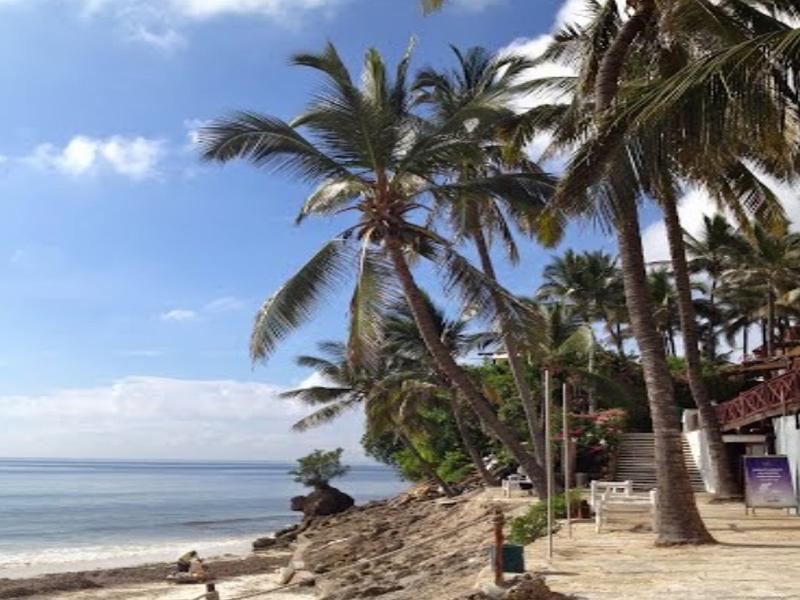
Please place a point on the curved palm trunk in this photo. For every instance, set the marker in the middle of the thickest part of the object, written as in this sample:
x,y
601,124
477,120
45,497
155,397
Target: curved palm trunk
x,y
529,404
454,373
610,68
770,324
678,520
429,469
726,488
745,340
489,479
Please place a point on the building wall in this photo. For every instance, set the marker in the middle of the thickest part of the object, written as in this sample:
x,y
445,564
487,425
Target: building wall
x,y
787,441
699,447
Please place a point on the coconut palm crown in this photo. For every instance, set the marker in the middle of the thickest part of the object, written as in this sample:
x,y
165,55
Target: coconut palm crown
x,y
372,156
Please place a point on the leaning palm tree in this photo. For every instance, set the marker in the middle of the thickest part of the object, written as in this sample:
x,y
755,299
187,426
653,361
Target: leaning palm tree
x,y
344,385
375,158
483,219
641,52
411,361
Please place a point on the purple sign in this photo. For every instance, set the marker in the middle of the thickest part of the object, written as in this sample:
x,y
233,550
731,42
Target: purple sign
x,y
768,482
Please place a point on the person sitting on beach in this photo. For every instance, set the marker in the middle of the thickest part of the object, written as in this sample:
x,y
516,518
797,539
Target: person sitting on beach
x,y
184,563
198,569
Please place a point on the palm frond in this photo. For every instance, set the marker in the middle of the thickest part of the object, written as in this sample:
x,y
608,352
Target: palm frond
x,y
293,304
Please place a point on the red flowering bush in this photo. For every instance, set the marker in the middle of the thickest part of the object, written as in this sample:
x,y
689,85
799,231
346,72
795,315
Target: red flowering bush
x,y
596,436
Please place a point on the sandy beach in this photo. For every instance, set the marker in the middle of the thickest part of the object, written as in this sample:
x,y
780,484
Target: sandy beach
x,y
251,573
228,588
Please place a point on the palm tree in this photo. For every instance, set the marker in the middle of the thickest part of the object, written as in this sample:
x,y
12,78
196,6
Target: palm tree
x,y
410,358
662,291
481,219
770,265
711,253
345,386
604,176
372,156
591,283
653,160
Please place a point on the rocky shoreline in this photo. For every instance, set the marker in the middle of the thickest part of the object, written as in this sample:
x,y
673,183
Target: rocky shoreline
x,y
417,545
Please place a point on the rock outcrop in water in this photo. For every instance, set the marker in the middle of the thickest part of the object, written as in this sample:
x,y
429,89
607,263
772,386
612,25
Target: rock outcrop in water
x,y
322,502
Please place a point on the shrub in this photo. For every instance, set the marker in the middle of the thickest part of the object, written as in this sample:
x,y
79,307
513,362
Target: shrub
x,y
319,467
533,524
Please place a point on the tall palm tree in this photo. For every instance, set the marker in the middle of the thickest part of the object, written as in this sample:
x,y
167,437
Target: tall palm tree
x,y
655,159
591,283
372,156
711,252
662,291
771,265
613,190
481,219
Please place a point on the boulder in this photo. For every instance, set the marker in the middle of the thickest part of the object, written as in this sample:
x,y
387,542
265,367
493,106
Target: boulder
x,y
323,501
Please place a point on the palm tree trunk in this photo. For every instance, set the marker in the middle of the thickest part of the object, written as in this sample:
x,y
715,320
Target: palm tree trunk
x,y
726,488
770,324
745,340
429,469
677,518
529,404
454,373
489,479
610,68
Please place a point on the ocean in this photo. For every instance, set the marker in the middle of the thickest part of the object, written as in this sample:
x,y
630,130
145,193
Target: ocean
x,y
64,515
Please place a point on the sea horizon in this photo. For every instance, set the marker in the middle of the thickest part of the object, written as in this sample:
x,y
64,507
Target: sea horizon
x,y
61,515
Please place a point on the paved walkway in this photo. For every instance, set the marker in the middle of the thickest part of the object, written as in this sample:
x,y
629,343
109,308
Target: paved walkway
x,y
758,559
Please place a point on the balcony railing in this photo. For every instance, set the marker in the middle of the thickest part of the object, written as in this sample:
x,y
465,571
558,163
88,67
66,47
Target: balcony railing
x,y
768,399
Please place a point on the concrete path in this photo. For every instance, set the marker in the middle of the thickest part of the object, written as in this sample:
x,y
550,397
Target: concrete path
x,y
758,558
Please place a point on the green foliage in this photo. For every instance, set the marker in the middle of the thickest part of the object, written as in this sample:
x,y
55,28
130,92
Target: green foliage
x,y
319,467
454,467
533,524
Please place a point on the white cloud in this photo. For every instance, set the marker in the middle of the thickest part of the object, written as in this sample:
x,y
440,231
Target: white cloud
x,y
133,157
165,39
697,203
193,127
692,207
179,315
224,304
153,417
275,9
476,5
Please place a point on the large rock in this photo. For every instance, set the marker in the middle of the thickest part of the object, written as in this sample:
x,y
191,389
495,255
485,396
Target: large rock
x,y
323,501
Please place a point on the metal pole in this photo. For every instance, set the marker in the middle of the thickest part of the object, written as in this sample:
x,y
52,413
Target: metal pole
x,y
548,463
567,450
499,521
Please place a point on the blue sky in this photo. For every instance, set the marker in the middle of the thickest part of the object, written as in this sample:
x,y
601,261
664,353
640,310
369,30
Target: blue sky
x,y
130,271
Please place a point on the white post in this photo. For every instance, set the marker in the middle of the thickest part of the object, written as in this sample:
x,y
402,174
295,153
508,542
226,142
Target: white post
x,y
548,463
566,458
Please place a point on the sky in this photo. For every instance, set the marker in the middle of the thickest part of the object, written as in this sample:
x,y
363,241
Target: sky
x,y
129,270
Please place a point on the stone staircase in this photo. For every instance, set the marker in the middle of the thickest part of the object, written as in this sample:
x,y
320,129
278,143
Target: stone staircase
x,y
636,461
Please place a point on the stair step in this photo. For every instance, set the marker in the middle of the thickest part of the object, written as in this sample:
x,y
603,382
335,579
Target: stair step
x,y
636,462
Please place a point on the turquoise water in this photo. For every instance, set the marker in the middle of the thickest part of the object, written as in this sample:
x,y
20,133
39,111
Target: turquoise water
x,y
58,515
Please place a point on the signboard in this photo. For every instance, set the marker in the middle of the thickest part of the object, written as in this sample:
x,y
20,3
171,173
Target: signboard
x,y
768,482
